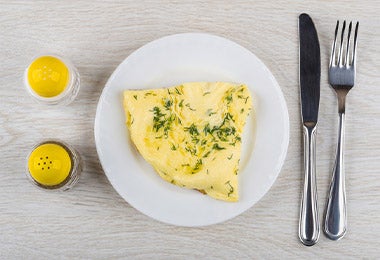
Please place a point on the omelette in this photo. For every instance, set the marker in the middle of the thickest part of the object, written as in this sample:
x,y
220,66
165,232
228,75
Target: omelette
x,y
191,133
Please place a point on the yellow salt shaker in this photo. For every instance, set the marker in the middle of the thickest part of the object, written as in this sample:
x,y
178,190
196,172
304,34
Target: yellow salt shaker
x,y
52,80
54,165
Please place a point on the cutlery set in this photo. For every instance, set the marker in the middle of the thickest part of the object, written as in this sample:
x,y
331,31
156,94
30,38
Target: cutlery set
x,y
341,75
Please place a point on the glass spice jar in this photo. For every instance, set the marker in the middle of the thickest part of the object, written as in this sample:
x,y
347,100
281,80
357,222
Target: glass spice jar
x,y
54,165
52,80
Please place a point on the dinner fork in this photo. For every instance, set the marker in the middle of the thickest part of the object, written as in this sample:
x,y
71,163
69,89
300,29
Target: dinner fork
x,y
342,70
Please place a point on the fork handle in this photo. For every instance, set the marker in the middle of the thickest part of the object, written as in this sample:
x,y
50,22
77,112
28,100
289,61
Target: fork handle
x,y
336,212
308,222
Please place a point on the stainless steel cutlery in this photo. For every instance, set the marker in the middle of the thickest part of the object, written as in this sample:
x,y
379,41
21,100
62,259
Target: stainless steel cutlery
x,y
341,74
342,70
309,73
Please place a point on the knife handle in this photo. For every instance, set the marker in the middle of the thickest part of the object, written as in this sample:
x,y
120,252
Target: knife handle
x,y
336,212
308,222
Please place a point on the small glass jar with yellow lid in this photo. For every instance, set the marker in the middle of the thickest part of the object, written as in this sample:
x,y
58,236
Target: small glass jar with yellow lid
x,y
52,80
54,165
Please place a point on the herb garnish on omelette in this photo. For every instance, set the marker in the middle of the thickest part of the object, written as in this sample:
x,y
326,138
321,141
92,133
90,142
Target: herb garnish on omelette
x,y
191,134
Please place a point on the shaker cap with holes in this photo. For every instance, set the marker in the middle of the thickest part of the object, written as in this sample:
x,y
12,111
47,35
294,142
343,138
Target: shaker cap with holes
x,y
52,80
54,165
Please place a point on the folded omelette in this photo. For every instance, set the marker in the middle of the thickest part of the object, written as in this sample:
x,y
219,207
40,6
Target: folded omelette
x,y
191,133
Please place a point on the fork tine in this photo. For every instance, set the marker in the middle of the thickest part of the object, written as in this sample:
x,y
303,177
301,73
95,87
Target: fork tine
x,y
333,56
355,44
340,60
346,61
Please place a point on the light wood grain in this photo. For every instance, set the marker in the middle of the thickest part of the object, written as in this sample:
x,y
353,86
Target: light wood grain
x,y
92,221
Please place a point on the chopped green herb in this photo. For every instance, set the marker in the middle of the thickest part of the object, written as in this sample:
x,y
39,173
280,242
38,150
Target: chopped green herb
x,y
207,129
230,157
209,112
193,130
237,139
231,189
192,151
160,121
206,93
198,164
150,93
168,103
135,96
188,105
195,139
181,103
217,147
229,117
157,112
229,98
206,154
178,92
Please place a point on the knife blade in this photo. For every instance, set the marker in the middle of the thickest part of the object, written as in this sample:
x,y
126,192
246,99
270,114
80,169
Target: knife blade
x,y
309,80
310,69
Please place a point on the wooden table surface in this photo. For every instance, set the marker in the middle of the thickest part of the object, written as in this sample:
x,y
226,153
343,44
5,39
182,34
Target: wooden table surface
x,y
92,221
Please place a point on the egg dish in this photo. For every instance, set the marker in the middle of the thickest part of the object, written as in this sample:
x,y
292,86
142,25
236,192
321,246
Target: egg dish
x,y
191,133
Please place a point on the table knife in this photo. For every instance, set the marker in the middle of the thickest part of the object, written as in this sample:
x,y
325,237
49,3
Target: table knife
x,y
309,79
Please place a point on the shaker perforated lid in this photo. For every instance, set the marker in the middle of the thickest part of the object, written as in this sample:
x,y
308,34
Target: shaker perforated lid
x,y
49,164
48,76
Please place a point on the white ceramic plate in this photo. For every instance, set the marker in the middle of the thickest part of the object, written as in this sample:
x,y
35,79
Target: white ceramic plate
x,y
173,60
